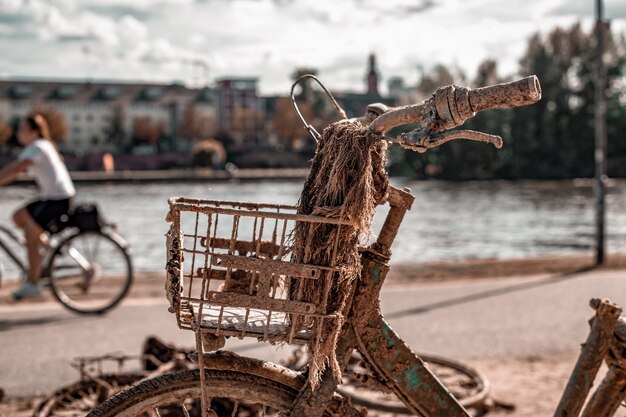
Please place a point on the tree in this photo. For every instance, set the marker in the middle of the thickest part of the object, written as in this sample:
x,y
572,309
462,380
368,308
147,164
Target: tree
x,y
208,153
287,125
147,131
197,125
439,77
550,139
115,132
246,123
554,138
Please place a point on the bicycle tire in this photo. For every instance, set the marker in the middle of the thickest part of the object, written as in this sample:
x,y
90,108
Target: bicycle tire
x,y
102,298
469,386
239,388
77,398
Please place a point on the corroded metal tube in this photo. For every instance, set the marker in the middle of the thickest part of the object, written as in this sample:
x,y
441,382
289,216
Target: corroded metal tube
x,y
450,106
514,94
612,390
591,356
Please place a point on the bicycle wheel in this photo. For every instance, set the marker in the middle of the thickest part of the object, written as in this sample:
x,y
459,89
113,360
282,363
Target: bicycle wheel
x,y
90,272
467,385
81,397
177,394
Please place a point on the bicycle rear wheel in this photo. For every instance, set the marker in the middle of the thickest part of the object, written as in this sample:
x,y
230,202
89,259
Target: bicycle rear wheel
x,y
90,272
177,394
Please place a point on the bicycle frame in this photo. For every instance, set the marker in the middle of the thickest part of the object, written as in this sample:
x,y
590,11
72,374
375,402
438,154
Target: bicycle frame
x,y
394,362
73,252
16,260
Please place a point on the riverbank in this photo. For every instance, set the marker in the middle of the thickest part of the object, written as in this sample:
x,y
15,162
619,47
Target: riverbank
x,y
150,285
406,273
180,175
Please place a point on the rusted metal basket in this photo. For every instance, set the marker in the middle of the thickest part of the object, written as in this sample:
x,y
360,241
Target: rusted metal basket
x,y
229,269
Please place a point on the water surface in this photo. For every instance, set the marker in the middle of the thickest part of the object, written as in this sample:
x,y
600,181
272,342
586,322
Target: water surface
x,y
489,219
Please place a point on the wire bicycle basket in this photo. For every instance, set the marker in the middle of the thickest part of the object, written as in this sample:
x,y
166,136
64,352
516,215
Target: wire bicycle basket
x,y
229,271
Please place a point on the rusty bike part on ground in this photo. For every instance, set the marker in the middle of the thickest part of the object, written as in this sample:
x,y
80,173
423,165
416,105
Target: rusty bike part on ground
x,y
101,377
606,342
211,243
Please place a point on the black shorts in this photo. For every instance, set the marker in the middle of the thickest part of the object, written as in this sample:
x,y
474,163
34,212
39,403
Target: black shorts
x,y
47,213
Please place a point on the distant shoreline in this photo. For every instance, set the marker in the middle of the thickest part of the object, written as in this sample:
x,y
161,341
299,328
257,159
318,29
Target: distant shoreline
x,y
180,175
242,174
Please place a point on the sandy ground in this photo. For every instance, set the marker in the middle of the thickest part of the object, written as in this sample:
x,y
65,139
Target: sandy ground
x,y
532,384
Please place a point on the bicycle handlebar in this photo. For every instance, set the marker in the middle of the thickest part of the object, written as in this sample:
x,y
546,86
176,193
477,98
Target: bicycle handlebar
x,y
514,94
450,107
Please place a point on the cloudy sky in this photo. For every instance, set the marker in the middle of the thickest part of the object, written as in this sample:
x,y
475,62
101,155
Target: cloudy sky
x,y
196,41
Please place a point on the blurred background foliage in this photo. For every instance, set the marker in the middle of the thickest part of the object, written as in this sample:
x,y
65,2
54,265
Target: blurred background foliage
x,y
549,140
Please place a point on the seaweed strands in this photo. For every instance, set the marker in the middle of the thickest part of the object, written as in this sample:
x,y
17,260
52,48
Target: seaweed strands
x,y
347,180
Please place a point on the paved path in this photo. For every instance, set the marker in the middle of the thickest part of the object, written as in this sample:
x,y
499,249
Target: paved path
x,y
522,317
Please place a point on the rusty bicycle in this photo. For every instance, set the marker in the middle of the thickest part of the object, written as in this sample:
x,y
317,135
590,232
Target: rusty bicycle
x,y
231,273
101,377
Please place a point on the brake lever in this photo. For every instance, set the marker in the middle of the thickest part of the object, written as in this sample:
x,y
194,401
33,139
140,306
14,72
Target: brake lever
x,y
420,140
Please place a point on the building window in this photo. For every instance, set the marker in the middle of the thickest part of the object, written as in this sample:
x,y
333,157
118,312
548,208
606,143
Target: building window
x,y
21,91
89,117
152,93
64,92
76,117
109,93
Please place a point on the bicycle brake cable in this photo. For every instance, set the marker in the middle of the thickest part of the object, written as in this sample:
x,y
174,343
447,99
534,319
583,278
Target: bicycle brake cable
x,y
314,133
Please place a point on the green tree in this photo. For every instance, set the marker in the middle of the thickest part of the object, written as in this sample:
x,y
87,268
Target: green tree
x,y
553,138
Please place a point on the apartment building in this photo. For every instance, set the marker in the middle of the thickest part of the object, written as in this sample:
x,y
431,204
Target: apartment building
x,y
105,117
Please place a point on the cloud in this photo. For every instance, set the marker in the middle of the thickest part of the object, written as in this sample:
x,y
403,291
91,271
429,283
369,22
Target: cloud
x,y
161,39
613,9
51,23
130,29
117,11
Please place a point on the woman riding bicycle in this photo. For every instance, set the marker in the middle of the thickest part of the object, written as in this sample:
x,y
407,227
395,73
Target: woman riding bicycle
x,y
41,158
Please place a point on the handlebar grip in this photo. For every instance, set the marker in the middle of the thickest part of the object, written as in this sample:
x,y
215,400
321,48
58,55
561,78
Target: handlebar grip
x,y
514,94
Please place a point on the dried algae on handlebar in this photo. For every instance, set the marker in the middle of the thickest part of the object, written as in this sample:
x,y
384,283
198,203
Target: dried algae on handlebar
x,y
347,180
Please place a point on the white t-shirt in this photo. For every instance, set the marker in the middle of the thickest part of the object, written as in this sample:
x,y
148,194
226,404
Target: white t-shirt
x,y
48,170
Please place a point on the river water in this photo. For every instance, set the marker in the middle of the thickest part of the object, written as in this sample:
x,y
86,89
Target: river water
x,y
488,219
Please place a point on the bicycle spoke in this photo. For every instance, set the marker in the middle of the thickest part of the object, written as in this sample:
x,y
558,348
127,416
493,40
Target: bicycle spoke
x,y
235,408
90,272
184,408
96,250
89,247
